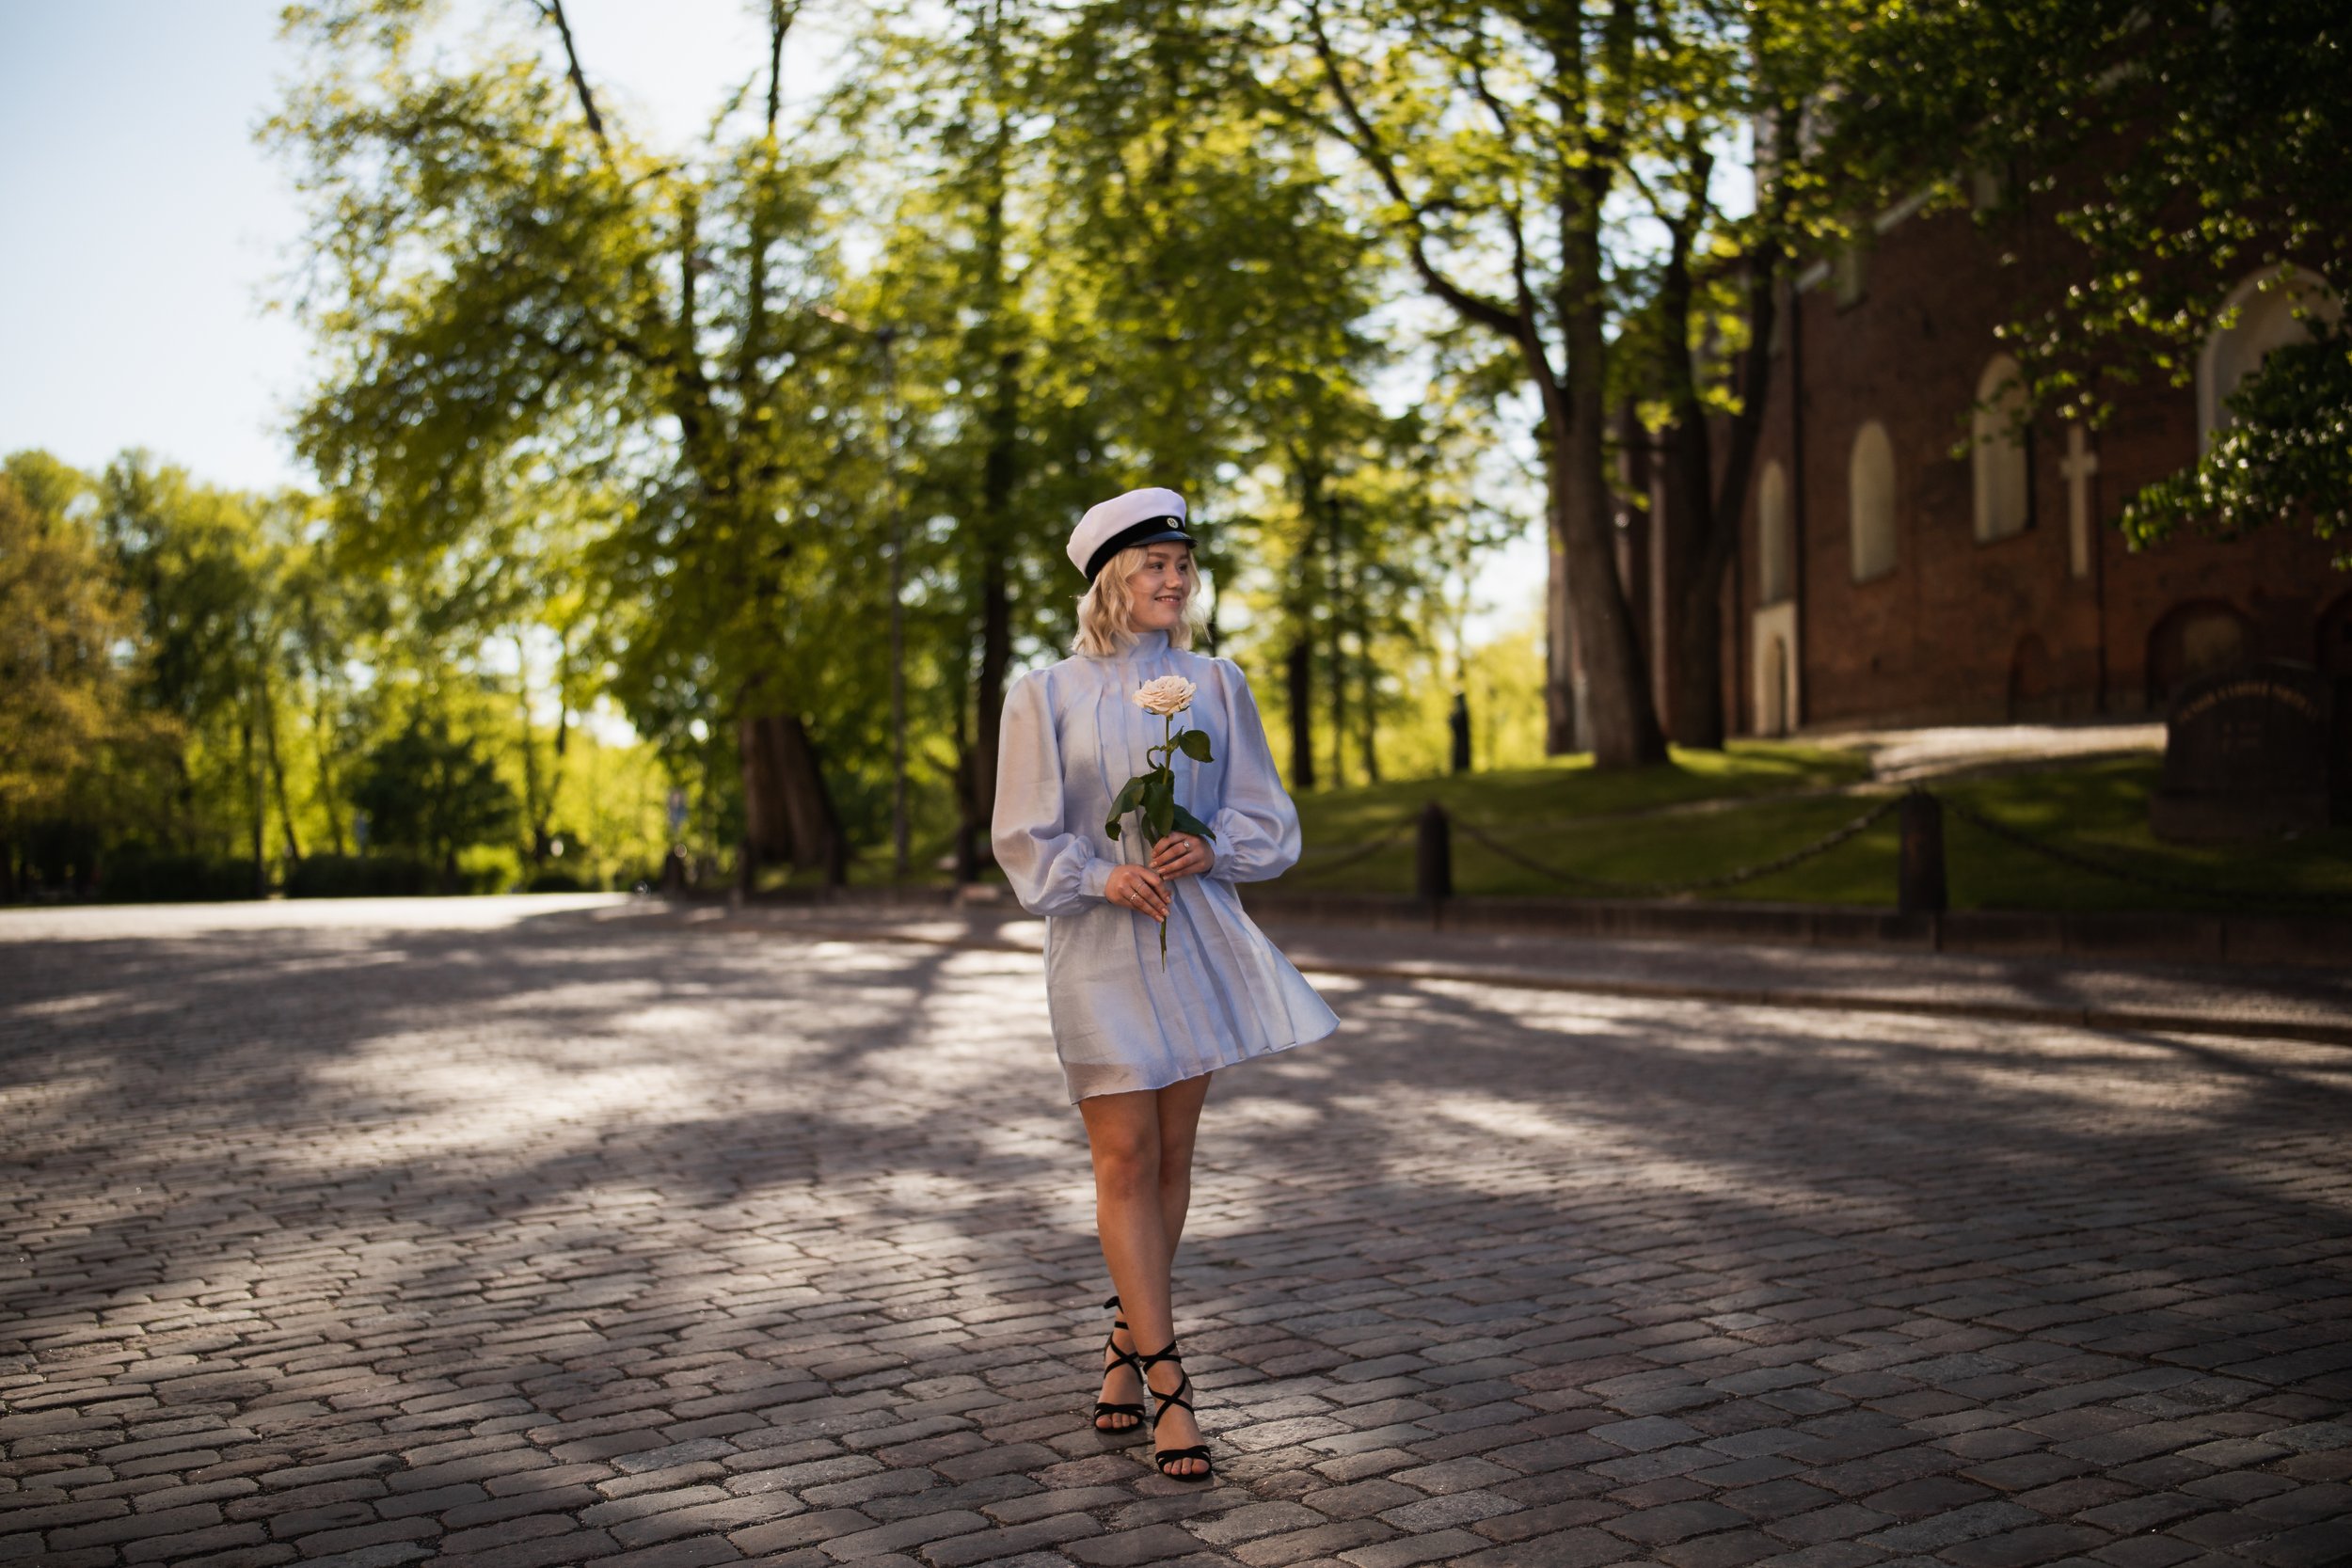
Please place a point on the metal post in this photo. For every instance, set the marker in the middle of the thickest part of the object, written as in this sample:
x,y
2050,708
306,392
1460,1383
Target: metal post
x,y
1919,869
1433,857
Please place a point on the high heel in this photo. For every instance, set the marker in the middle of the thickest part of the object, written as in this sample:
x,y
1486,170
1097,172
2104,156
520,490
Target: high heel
x,y
1166,1457
1103,1407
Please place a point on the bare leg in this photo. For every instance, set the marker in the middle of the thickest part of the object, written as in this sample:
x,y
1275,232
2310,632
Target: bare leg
x,y
1142,1147
1180,1127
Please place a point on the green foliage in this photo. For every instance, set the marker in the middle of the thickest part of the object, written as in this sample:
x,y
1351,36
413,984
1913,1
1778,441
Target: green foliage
x,y
433,794
2286,453
2180,148
63,697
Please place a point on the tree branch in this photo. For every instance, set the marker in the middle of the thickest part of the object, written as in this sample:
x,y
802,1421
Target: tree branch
x,y
780,19
1366,142
552,10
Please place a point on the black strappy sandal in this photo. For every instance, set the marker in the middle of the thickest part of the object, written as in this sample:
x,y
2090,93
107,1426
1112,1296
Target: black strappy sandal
x,y
1166,1457
1118,1357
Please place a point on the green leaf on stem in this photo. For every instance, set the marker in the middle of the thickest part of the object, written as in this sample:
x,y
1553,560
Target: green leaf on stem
x,y
1128,798
1159,803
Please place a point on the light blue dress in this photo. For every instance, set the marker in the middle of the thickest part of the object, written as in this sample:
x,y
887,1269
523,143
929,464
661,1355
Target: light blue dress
x,y
1072,739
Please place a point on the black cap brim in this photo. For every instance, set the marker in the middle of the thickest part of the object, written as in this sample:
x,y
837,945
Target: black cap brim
x,y
1151,531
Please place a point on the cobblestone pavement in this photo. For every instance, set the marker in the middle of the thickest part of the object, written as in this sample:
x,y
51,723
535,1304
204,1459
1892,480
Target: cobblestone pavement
x,y
532,1232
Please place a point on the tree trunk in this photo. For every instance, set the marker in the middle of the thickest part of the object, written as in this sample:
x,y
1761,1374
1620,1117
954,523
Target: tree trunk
x,y
970,829
534,807
1693,650
1000,474
766,824
277,774
1371,705
1561,733
988,688
327,782
1702,509
788,812
1625,730
255,799
1299,672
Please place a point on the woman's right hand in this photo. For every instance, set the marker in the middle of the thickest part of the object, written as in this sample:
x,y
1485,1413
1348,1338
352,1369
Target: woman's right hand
x,y
1140,889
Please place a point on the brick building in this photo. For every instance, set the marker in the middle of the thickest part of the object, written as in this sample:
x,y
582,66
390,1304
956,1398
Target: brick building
x,y
1883,581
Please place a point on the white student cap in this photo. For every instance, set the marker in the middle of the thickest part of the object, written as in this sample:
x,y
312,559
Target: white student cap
x,y
1147,517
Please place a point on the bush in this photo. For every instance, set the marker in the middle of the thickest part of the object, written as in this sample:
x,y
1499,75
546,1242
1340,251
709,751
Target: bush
x,y
554,879
139,877
361,877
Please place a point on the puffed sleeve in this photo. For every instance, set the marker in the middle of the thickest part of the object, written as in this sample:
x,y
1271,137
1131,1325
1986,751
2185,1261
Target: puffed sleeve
x,y
1053,870
1257,828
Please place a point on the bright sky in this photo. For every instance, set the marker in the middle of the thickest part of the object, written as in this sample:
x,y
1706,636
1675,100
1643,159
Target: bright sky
x,y
146,227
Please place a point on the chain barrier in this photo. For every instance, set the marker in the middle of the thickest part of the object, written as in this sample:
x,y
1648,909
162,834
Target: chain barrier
x,y
2163,884
1821,846
1363,851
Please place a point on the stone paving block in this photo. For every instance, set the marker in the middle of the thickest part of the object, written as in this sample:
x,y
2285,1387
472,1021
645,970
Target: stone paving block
x,y
1836,1522
720,1516
1409,1550
902,1535
1574,1318
1657,1527
698,1553
2023,1548
801,1530
1321,1541
1125,1548
1570,1548
1254,1520
1012,1540
2146,1551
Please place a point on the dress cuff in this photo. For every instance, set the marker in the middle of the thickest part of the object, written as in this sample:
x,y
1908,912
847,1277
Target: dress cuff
x,y
1096,880
1225,822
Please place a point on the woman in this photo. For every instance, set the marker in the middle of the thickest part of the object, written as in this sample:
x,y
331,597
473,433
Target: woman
x,y
1137,1042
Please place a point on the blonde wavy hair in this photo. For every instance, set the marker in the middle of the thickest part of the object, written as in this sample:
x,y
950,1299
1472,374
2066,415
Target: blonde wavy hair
x,y
1107,615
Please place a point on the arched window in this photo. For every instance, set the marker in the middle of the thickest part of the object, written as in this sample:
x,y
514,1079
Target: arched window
x,y
2265,307
1996,433
1870,501
1776,567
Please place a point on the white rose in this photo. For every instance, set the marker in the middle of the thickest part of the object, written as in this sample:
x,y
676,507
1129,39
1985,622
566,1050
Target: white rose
x,y
1167,697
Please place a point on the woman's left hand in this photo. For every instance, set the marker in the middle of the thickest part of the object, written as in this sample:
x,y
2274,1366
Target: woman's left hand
x,y
1182,855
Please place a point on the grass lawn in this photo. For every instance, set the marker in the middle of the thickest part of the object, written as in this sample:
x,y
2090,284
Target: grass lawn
x,y
1756,808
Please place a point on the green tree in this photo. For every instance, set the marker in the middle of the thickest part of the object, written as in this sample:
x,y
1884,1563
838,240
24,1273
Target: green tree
x,y
1508,153
63,697
1494,143
431,794
515,292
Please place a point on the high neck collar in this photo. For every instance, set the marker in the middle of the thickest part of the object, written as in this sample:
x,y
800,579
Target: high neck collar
x,y
1148,644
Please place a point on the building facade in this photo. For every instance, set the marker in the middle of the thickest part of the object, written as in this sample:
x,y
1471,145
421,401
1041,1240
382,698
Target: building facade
x,y
1912,553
